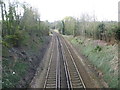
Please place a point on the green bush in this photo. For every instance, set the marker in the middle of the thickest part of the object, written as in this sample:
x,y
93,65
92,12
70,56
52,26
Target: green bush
x,y
117,34
15,40
98,48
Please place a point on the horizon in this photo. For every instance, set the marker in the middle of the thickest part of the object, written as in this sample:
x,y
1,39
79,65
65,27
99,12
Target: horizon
x,y
55,10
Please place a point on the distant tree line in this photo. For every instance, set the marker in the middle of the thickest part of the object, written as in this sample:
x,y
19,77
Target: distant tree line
x,y
87,26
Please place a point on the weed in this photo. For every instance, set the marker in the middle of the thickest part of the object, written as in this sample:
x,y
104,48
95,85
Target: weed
x,y
98,48
100,56
11,75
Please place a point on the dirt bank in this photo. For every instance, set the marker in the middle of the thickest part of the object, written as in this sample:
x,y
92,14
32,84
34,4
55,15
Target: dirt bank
x,y
20,64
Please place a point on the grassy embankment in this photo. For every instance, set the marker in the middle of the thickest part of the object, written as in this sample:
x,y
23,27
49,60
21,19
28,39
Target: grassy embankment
x,y
19,64
102,56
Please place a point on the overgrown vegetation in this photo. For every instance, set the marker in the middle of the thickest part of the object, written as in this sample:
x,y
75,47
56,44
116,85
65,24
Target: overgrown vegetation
x,y
103,57
12,74
23,34
88,27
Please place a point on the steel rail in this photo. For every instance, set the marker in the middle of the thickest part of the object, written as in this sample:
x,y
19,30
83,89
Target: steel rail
x,y
74,63
57,68
66,69
49,65
65,66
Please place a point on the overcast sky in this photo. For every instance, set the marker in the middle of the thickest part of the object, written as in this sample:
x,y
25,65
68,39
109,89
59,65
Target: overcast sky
x,y
57,9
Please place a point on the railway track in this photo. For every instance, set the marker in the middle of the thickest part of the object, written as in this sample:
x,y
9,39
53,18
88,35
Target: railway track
x,y
74,75
51,76
62,70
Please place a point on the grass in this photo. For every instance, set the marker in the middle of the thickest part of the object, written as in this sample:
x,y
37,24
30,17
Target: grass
x,y
12,74
103,57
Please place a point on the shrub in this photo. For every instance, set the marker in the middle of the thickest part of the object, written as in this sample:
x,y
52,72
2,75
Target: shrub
x,y
98,48
14,40
117,34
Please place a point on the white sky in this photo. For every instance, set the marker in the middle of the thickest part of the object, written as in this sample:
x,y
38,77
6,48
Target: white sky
x,y
57,9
